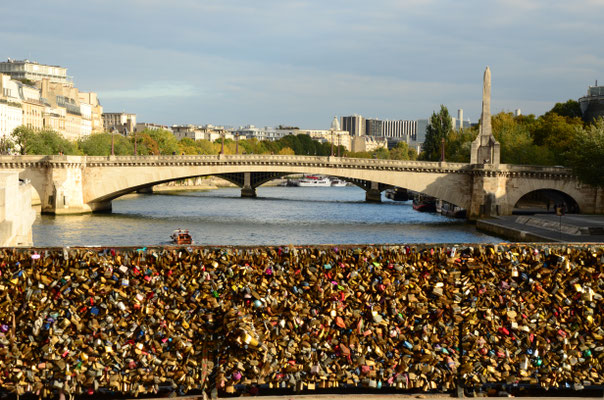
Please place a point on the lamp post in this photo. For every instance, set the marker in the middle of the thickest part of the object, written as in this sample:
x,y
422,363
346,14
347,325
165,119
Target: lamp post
x,y
112,142
331,142
338,144
135,144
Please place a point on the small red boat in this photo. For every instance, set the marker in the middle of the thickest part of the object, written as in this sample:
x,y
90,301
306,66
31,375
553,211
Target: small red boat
x,y
181,236
424,203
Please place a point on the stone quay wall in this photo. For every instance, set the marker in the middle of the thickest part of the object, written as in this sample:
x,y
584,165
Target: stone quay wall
x,y
16,213
430,318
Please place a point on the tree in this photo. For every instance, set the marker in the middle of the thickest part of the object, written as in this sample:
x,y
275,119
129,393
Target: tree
x,y
22,135
165,140
516,142
556,132
570,109
440,127
99,144
586,153
286,151
402,151
459,144
45,142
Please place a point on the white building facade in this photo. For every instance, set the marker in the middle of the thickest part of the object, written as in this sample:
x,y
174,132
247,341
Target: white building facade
x,y
11,109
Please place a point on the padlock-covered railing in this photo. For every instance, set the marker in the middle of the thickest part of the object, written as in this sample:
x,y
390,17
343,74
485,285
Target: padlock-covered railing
x,y
428,318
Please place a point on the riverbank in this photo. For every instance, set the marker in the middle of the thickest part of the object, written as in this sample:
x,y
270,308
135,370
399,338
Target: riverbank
x,y
571,228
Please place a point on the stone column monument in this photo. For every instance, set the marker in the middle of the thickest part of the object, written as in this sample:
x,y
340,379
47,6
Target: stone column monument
x,y
485,149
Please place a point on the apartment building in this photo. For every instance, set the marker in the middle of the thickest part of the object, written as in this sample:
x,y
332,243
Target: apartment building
x,y
90,99
35,72
123,123
11,109
201,132
32,105
65,97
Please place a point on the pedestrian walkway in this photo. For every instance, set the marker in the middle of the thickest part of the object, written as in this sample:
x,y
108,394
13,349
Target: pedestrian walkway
x,y
546,228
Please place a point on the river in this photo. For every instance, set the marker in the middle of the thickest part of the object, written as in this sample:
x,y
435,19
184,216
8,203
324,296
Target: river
x,y
278,216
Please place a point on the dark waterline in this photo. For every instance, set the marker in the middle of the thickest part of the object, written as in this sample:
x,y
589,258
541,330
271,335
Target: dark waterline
x,y
279,216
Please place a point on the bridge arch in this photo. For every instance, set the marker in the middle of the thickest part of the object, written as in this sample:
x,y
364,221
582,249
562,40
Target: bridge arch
x,y
436,185
546,200
569,193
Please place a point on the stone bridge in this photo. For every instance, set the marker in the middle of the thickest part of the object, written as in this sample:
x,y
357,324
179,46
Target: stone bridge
x,y
74,184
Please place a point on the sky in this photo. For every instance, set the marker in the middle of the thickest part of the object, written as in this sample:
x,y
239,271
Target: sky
x,y
302,62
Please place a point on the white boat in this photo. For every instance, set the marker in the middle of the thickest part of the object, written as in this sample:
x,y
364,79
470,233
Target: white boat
x,y
338,182
314,181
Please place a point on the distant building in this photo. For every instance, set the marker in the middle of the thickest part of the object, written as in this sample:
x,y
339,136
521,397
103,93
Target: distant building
x,y
91,100
33,107
367,143
35,72
11,109
266,133
124,123
459,123
353,124
201,132
67,98
141,126
592,105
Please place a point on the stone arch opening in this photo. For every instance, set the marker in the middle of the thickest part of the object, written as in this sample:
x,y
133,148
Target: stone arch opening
x,y
545,201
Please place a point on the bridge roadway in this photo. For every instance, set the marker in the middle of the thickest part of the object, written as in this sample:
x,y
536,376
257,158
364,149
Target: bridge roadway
x,y
79,184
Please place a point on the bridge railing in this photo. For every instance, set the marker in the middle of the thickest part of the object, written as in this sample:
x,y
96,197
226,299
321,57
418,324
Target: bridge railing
x,y
269,158
20,161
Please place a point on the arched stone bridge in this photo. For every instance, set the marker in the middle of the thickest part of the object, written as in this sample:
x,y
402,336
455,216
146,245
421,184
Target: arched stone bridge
x,y
74,184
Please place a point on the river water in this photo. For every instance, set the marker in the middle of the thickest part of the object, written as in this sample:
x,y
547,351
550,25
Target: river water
x,y
278,216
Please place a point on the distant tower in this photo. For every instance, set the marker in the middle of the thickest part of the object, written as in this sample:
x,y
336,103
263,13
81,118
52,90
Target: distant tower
x,y
460,117
485,149
517,112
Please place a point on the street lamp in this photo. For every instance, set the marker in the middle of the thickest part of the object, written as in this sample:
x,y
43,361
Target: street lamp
x,y
112,142
135,144
331,142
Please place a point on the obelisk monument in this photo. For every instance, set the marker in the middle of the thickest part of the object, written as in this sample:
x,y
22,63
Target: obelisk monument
x,y
485,149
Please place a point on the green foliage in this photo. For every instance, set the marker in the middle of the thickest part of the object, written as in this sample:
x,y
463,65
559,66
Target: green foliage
x,y
402,151
570,109
459,144
440,127
586,153
252,146
45,142
556,132
165,141
99,144
516,141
